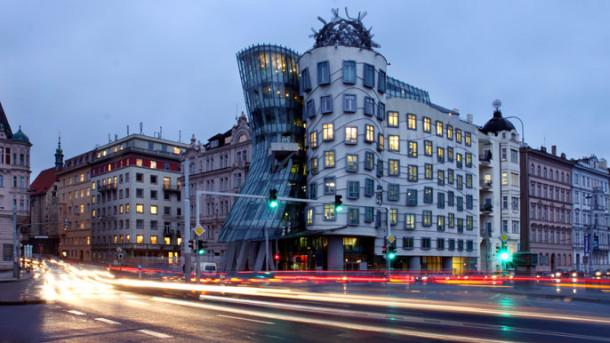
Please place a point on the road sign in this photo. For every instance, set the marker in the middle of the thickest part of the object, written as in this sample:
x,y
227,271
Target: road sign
x,y
199,230
504,238
391,239
586,244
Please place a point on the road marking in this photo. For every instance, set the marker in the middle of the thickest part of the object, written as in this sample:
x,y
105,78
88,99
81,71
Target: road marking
x,y
107,321
78,313
155,334
250,320
138,302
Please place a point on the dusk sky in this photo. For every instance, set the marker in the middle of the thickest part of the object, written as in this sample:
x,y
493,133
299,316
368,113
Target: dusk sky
x,y
87,69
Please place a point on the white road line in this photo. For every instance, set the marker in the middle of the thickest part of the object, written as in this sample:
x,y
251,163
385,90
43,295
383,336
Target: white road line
x,y
250,320
155,334
107,321
138,302
78,313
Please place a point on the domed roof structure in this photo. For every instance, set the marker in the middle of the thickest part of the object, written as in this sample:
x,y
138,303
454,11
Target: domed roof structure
x,y
345,32
19,136
497,123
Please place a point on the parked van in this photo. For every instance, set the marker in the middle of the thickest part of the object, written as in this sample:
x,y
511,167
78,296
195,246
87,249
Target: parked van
x,y
207,267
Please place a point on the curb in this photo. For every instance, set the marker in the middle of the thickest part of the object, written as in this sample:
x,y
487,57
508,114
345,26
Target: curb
x,y
23,302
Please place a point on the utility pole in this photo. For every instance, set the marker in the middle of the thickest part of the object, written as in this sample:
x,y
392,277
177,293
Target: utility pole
x,y
15,247
186,252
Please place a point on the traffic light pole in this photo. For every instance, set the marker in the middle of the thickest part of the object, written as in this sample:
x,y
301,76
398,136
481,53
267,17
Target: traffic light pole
x,y
186,252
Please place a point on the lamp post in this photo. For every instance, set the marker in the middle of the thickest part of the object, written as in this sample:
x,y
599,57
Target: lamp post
x,y
522,129
590,234
15,248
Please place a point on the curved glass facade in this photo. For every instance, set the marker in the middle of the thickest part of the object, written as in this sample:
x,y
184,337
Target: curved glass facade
x,y
270,79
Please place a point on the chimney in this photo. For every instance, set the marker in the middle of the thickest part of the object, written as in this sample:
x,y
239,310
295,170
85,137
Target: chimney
x,y
554,150
469,117
543,148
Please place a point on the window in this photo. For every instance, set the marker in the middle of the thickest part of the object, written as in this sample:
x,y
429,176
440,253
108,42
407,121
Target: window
x,y
153,209
351,135
410,221
323,73
411,121
310,214
440,223
305,81
469,245
329,185
468,160
349,103
379,167
310,108
394,142
380,111
412,149
328,132
412,173
428,171
369,76
411,197
329,211
353,189
469,202
439,128
139,177
329,159
370,133
313,165
504,178
139,239
515,203
407,243
427,123
351,163
460,225
153,179
349,72
326,104
353,216
514,180
428,148
369,106
369,160
451,220
449,154
440,154
458,135
468,180
440,203
369,187
313,139
394,167
393,119
515,226
460,182
393,216
460,245
369,214
427,218
380,142
381,81
449,132
139,193
450,198
425,243
441,177
313,190
139,208
469,222
468,139
428,195
393,192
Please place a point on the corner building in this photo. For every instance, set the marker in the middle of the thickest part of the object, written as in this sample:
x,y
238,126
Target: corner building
x,y
381,144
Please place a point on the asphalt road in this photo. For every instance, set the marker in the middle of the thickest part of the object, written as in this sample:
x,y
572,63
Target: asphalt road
x,y
88,310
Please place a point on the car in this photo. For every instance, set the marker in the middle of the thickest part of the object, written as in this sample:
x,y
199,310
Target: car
x,y
597,274
577,273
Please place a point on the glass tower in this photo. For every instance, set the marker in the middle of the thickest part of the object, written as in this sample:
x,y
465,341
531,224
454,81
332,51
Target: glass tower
x,y
270,79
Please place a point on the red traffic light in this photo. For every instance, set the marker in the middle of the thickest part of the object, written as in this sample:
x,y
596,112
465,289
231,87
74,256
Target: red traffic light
x,y
384,250
276,257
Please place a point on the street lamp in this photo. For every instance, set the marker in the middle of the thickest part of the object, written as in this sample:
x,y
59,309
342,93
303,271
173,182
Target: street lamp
x,y
522,130
590,252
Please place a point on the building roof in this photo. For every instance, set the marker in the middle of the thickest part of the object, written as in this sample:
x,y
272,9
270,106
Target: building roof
x,y
497,124
43,182
345,32
19,136
4,125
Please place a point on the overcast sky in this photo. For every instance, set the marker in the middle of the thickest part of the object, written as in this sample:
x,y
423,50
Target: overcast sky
x,y
87,69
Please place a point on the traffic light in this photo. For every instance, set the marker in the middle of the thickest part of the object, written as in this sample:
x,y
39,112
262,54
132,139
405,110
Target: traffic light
x,y
191,245
273,198
384,250
338,203
200,247
392,252
505,256
276,257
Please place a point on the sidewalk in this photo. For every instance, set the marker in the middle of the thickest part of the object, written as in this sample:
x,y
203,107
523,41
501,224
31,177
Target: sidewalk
x,y
22,291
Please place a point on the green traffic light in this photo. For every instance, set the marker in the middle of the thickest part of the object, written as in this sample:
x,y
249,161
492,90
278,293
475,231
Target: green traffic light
x,y
505,256
391,255
273,203
339,208
200,251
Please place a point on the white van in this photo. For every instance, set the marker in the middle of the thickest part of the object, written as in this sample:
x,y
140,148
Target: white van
x,y
207,267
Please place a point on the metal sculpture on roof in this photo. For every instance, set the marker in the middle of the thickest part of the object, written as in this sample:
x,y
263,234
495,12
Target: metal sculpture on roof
x,y
345,32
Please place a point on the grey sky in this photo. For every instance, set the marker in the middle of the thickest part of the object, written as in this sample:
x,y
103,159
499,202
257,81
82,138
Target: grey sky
x,y
90,68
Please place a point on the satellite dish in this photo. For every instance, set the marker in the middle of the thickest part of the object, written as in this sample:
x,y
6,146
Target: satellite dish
x,y
497,104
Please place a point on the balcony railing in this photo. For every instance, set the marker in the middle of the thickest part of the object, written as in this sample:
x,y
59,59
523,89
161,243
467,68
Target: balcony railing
x,y
487,208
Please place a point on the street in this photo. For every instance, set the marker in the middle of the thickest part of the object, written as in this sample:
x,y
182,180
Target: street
x,y
84,308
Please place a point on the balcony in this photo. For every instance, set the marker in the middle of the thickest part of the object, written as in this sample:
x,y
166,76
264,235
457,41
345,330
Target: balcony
x,y
485,186
171,188
107,188
486,209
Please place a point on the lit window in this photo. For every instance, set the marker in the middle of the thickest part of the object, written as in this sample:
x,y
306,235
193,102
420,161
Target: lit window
x,y
427,218
394,167
440,223
351,135
353,216
393,119
468,139
153,164
370,133
139,162
329,159
167,240
394,143
412,173
468,160
349,103
310,212
153,209
139,208
349,72
449,132
428,171
441,177
427,124
449,154
329,211
328,132
380,142
440,154
439,128
139,239
313,165
458,135
93,185
121,209
458,160
412,149
352,162
412,121
329,185
428,148
153,239
505,178
410,221
313,139
326,104
126,208
393,216
82,208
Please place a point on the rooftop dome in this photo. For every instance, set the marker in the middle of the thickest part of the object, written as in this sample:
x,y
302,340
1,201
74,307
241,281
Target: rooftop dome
x,y
497,123
19,136
345,32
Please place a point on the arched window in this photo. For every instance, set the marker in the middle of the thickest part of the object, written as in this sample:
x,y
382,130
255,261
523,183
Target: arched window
x,y
538,170
551,174
544,175
532,170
